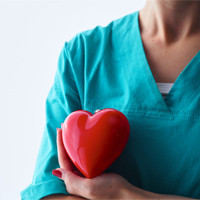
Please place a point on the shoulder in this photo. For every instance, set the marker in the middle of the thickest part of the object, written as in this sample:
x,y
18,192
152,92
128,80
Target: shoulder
x,y
97,38
86,51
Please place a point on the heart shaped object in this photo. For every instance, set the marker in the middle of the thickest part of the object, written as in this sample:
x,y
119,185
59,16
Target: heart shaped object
x,y
94,142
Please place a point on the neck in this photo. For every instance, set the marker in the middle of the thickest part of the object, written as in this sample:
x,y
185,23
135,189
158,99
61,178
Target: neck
x,y
170,20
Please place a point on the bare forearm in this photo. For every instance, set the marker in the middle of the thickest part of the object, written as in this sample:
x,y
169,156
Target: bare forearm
x,y
166,197
129,195
62,197
137,193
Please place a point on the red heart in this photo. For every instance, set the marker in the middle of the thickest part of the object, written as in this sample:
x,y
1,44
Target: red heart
x,y
93,142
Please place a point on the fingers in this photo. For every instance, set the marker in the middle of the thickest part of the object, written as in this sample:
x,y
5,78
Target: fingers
x,y
73,179
63,158
75,184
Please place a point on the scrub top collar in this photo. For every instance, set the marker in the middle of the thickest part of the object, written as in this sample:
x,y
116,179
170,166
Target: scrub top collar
x,y
140,78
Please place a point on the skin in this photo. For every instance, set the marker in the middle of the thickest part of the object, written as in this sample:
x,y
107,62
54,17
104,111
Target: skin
x,y
169,29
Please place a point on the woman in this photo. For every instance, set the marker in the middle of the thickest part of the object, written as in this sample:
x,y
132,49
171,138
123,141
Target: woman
x,y
123,66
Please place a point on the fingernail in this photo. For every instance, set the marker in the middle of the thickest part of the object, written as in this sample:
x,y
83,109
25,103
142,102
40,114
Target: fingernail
x,y
57,173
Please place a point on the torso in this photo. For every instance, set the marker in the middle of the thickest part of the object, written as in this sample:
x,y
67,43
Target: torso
x,y
167,63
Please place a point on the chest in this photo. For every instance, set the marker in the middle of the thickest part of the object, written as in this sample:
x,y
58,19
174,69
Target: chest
x,y
167,63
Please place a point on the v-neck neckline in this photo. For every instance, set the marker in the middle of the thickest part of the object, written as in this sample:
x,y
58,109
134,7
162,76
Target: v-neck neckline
x,y
138,69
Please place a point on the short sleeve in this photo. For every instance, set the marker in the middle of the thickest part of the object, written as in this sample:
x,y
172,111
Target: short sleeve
x,y
63,98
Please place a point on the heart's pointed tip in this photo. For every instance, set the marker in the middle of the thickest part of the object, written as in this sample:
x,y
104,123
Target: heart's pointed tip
x,y
89,177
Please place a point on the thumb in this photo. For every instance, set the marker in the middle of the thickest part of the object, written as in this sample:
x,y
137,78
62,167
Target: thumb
x,y
69,177
65,174
58,172
62,173
75,184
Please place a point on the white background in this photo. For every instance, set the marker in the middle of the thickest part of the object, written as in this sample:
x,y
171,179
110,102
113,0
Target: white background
x,y
32,34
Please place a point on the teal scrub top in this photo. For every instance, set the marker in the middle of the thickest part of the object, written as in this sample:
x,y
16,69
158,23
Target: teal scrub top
x,y
106,67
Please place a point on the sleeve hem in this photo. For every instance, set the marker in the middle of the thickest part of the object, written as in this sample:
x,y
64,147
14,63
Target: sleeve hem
x,y
36,192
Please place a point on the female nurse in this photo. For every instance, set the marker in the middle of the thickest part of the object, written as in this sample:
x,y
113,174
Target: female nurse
x,y
147,65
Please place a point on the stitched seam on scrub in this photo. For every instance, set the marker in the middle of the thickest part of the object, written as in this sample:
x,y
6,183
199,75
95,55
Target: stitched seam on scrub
x,y
192,98
120,51
143,112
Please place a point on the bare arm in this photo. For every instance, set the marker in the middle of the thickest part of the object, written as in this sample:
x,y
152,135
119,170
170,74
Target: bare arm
x,y
135,193
132,192
61,197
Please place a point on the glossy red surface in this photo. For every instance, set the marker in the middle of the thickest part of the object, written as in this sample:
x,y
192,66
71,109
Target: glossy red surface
x,y
94,141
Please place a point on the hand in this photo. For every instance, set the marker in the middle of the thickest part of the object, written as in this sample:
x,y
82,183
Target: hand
x,y
105,186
